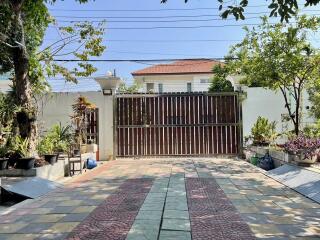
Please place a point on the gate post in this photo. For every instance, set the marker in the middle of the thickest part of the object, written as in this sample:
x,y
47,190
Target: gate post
x,y
115,127
240,125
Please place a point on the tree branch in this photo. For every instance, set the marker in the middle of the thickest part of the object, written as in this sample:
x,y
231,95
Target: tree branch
x,y
61,40
283,90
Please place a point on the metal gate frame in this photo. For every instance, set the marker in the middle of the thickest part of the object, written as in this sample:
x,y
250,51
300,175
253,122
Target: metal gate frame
x,y
238,124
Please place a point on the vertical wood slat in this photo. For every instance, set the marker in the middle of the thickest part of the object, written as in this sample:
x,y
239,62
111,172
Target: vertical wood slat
x,y
178,125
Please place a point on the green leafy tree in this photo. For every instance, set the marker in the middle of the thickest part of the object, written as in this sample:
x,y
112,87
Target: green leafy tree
x,y
22,29
314,97
285,9
134,88
280,58
219,82
263,132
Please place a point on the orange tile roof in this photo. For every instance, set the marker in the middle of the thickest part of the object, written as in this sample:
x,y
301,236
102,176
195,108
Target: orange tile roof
x,y
179,67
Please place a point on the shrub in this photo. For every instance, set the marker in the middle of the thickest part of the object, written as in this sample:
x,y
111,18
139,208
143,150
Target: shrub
x,y
303,144
46,146
263,132
313,130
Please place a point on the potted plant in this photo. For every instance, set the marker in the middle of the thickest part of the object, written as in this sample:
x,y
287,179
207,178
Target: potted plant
x,y
263,132
46,149
80,107
26,160
304,150
3,158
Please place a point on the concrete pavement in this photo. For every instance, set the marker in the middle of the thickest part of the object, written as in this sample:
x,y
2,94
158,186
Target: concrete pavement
x,y
167,198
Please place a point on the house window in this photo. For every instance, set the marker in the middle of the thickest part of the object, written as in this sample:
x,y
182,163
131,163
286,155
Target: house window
x,y
205,80
189,87
150,87
160,88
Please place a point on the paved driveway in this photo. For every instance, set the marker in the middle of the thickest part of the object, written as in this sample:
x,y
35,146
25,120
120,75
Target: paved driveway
x,y
167,199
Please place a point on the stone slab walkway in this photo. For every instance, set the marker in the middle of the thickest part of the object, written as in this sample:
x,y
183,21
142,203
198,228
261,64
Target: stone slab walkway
x,y
166,199
302,180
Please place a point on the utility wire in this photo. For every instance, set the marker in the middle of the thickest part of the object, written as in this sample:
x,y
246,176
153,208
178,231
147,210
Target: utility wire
x,y
183,27
166,40
140,10
140,60
154,21
148,17
169,16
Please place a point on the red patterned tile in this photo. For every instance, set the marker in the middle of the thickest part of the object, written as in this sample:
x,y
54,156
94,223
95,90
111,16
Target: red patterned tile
x,y
113,219
212,214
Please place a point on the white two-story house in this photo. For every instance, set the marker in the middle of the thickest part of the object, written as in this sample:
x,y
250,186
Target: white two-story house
x,y
179,76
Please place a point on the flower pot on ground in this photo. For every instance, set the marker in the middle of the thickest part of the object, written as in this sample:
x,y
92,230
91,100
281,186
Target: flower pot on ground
x,y
25,163
3,157
50,158
92,147
26,160
46,149
4,163
302,160
303,150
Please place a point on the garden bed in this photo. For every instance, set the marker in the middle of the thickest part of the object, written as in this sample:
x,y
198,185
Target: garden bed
x,y
279,157
50,172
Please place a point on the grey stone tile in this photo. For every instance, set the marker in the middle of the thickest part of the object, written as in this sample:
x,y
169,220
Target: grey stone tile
x,y
35,228
51,236
144,230
255,218
149,215
63,209
174,235
175,224
176,214
152,206
182,206
74,217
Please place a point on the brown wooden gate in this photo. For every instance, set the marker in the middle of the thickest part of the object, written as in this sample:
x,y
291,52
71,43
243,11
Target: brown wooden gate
x,y
178,124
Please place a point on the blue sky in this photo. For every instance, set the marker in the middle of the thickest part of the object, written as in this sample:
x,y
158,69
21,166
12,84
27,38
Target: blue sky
x,y
165,43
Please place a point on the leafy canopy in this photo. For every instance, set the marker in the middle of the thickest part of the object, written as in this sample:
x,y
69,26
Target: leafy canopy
x,y
285,9
84,38
219,81
279,57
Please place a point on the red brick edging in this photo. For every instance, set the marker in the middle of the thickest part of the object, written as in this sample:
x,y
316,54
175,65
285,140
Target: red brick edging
x,y
115,216
212,214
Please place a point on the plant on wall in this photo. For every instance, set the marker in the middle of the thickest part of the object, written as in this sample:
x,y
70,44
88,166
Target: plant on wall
x,y
80,107
219,82
263,132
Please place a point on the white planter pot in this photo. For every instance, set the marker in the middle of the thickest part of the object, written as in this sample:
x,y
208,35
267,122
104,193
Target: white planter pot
x,y
92,148
300,159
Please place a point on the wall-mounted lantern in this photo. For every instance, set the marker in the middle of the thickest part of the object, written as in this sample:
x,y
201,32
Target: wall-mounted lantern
x,y
109,83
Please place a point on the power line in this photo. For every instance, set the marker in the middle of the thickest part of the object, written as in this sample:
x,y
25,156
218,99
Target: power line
x,y
169,16
153,21
182,27
140,10
148,17
140,60
166,40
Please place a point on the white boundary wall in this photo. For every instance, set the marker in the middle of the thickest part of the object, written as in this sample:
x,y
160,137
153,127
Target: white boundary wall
x,y
271,105
57,107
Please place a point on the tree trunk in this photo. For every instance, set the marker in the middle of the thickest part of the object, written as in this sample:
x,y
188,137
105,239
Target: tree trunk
x,y
297,116
25,119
